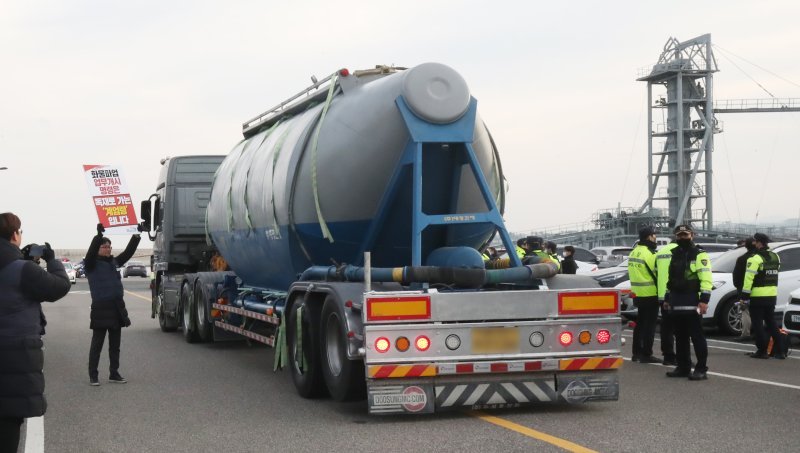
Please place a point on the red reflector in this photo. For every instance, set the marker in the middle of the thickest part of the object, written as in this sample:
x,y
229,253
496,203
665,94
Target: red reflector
x,y
499,367
348,304
603,336
423,343
565,338
344,72
533,366
464,368
382,344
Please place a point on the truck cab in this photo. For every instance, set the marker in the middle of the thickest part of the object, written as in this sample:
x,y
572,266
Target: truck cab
x,y
178,228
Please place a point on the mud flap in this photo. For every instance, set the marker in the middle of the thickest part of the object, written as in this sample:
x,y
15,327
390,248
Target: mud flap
x,y
399,397
582,387
495,392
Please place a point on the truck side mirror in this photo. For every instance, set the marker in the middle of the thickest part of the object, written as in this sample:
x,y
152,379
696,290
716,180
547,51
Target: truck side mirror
x,y
145,212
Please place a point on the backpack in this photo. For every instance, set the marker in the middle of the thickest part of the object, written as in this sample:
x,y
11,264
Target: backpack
x,y
784,346
681,279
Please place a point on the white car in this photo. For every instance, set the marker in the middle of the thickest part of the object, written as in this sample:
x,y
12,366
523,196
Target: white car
x,y
70,271
722,309
611,256
791,315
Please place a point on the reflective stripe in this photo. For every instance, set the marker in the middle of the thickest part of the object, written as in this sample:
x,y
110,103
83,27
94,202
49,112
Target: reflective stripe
x,y
751,271
635,260
643,284
683,308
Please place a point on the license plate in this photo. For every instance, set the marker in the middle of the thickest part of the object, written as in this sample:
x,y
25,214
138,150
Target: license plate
x,y
795,318
495,340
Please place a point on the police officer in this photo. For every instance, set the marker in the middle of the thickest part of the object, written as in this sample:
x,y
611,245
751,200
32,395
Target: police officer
x,y
738,282
760,290
686,289
522,248
644,284
550,248
535,245
489,254
667,331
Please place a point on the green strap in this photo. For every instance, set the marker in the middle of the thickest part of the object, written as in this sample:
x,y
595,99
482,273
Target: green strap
x,y
247,176
323,226
299,338
277,152
281,351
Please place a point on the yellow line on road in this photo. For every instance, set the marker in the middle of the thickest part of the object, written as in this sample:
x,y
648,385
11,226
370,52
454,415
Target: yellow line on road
x,y
525,431
136,295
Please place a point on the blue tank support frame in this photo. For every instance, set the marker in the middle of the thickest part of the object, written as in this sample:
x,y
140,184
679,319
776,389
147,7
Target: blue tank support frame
x,y
422,132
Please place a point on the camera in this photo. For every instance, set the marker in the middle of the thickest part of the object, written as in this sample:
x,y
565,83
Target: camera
x,y
36,250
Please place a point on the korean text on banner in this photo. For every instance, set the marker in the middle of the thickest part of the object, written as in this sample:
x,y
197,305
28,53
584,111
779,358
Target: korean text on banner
x,y
111,198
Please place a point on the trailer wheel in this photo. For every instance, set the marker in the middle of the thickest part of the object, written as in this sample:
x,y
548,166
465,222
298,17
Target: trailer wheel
x,y
307,379
189,331
344,377
166,322
205,331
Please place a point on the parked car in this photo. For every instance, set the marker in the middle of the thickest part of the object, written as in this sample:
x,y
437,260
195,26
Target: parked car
x,y
612,276
134,268
611,256
722,309
791,315
70,271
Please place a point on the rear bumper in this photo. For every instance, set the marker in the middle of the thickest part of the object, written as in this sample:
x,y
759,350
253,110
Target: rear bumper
x,y
490,391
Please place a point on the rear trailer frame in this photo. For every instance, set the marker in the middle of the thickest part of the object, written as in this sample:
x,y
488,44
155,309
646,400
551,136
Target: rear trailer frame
x,y
489,349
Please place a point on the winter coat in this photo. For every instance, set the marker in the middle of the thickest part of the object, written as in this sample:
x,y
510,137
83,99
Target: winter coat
x,y
23,286
568,265
105,284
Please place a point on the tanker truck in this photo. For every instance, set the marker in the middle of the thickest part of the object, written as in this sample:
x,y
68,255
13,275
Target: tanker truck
x,y
343,230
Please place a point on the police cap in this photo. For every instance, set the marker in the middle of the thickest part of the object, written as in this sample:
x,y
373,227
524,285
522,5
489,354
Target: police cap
x,y
534,240
683,229
645,232
762,238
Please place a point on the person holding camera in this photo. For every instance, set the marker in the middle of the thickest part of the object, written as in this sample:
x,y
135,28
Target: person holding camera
x,y
24,285
108,314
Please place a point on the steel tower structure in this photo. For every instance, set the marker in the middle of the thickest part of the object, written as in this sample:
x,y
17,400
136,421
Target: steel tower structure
x,y
680,94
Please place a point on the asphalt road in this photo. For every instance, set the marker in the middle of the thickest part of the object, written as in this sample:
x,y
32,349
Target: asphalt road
x,y
225,397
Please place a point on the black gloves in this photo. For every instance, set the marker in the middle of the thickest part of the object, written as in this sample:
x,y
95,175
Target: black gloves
x,y
100,229
48,254
126,321
26,251
705,297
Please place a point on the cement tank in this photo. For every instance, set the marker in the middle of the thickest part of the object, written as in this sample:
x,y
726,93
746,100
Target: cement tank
x,y
288,196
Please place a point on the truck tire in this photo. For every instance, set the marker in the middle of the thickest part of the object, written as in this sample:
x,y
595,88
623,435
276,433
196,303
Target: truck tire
x,y
343,377
205,330
307,380
187,307
166,322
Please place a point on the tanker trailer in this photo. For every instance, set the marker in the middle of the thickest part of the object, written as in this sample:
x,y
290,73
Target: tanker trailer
x,y
343,230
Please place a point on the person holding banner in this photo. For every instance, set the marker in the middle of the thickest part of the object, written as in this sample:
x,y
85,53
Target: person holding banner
x,y
23,287
108,313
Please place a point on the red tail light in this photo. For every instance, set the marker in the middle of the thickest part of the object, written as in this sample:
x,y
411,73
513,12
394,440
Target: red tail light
x,y
603,336
565,338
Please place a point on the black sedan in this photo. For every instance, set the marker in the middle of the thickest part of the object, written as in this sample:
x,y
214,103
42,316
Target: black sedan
x,y
134,269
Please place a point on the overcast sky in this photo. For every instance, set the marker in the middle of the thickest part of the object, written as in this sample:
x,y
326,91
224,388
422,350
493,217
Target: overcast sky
x,y
127,83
